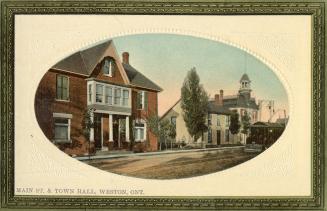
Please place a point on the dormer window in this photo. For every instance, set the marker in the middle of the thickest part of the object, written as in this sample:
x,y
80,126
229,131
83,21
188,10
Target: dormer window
x,y
108,67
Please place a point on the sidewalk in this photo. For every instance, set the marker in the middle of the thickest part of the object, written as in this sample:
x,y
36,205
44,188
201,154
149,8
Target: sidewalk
x,y
132,154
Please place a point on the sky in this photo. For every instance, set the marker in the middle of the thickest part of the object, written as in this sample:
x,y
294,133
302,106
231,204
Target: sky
x,y
166,59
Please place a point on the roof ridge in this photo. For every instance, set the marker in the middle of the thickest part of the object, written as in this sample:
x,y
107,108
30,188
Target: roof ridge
x,y
84,65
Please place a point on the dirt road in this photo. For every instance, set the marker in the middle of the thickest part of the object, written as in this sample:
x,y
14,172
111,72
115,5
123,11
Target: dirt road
x,y
173,166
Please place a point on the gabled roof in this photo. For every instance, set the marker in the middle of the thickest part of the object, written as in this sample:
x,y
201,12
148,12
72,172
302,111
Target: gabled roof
x,y
217,109
138,79
245,77
83,62
163,116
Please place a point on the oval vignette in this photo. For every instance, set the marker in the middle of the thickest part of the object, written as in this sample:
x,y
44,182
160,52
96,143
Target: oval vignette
x,y
161,106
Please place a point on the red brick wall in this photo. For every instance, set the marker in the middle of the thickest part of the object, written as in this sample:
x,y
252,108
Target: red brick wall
x,y
98,74
46,104
152,141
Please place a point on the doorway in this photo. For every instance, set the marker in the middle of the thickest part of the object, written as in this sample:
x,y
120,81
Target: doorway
x,y
218,137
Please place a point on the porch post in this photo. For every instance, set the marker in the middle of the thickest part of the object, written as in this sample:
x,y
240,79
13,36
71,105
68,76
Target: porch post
x,y
127,129
92,128
110,128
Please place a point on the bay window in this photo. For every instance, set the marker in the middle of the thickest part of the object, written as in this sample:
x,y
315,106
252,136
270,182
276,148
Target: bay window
x,y
90,93
99,93
125,97
108,99
117,96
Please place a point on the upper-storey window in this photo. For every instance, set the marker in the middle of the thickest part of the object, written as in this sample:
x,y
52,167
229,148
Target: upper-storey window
x,y
90,92
62,87
108,67
125,97
99,93
117,96
227,120
108,95
142,100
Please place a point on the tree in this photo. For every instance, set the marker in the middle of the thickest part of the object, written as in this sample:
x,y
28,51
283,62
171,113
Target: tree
x,y
245,123
162,129
194,103
87,124
235,124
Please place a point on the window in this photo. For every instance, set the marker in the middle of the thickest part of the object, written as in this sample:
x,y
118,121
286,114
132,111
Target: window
x,y
142,100
139,133
62,87
117,96
209,119
99,93
209,136
90,93
173,120
108,99
62,129
227,120
218,121
125,97
108,67
227,135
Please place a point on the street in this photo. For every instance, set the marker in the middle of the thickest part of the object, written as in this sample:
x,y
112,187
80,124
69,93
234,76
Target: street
x,y
173,166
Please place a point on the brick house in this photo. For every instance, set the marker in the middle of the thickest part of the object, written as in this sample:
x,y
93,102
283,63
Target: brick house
x,y
119,97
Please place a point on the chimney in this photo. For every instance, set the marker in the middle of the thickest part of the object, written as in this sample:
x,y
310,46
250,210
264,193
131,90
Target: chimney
x,y
217,99
126,57
221,97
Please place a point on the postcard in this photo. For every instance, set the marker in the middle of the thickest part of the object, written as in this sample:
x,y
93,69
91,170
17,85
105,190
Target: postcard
x,y
139,108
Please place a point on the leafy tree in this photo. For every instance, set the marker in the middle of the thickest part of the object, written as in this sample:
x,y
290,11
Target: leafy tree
x,y
235,124
87,124
194,103
162,129
246,123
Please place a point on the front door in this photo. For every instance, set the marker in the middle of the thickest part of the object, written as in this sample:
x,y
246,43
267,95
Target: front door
x,y
97,131
218,137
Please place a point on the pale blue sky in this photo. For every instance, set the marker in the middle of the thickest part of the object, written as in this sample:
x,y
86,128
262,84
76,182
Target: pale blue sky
x,y
166,58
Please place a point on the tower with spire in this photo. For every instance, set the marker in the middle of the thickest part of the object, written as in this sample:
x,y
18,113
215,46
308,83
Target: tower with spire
x,y
245,86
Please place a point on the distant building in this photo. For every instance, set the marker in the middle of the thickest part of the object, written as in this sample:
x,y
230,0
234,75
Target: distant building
x,y
266,110
242,102
218,119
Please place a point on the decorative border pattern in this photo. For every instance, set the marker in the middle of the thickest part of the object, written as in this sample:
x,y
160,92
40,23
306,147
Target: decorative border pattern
x,y
11,8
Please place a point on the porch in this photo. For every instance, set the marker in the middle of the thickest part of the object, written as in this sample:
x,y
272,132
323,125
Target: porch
x,y
110,132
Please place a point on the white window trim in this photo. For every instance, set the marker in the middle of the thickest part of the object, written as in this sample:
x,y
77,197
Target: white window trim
x,y
88,92
142,94
110,68
120,97
113,87
112,95
102,93
145,130
63,116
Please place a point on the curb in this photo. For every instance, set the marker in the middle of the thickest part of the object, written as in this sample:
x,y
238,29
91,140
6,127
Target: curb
x,y
98,157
